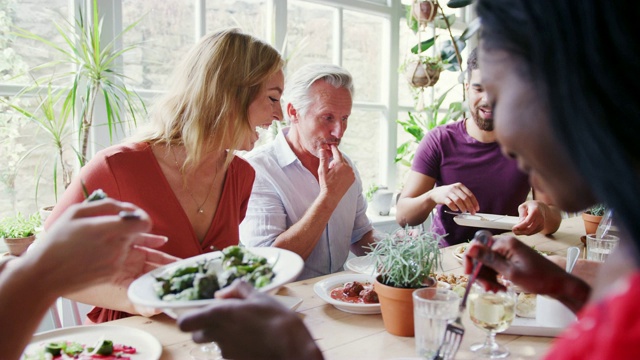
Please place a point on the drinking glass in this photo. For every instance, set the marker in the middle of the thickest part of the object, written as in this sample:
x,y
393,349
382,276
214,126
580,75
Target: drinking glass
x,y
492,312
207,351
599,248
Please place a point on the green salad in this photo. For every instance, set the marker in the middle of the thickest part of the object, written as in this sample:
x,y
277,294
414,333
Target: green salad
x,y
203,279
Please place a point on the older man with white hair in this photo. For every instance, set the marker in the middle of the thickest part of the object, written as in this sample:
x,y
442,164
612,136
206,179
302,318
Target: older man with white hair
x,y
307,196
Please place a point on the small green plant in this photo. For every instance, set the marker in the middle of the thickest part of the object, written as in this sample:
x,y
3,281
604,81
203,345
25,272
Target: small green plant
x,y
596,210
406,259
370,191
19,226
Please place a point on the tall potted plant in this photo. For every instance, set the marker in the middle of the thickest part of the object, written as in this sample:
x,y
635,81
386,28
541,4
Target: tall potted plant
x,y
404,261
86,72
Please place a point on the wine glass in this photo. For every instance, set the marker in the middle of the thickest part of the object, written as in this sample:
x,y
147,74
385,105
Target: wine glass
x,y
492,312
207,351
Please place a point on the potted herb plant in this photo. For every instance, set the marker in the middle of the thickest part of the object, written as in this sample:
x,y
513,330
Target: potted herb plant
x,y
404,261
18,232
592,217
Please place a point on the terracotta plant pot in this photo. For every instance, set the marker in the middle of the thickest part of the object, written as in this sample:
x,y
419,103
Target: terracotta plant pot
x,y
396,306
45,212
17,246
424,11
591,222
421,75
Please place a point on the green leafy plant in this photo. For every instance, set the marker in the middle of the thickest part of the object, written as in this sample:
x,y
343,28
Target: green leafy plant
x,y
19,226
406,259
85,72
596,210
419,123
370,191
447,55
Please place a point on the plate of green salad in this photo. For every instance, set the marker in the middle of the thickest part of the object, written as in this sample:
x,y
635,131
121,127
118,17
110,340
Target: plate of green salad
x,y
192,283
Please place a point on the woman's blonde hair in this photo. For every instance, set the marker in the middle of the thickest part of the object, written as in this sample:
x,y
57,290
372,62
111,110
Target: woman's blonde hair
x,y
206,106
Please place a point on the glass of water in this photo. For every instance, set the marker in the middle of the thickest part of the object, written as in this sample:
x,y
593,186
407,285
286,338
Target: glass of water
x,y
433,309
599,248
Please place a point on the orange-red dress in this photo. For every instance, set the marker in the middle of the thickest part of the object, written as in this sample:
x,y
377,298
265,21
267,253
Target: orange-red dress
x,y
131,173
609,329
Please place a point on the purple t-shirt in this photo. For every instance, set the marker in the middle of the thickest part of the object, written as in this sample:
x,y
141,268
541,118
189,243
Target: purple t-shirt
x,y
449,154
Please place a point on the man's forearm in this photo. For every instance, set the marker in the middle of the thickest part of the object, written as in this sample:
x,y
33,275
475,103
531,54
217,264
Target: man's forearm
x,y
303,236
552,220
414,211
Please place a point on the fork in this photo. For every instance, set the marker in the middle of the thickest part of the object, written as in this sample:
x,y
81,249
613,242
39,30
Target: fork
x,y
455,330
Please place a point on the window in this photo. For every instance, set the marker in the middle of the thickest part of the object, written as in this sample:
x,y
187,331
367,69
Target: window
x,y
367,37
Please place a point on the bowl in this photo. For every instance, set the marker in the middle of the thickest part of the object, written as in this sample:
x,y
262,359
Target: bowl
x,y
323,289
362,265
286,264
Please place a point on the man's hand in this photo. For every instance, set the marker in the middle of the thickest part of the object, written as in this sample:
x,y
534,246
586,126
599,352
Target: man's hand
x,y
536,216
456,197
249,324
335,176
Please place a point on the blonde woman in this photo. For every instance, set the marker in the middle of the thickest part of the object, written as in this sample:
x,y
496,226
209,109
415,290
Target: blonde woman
x,y
181,168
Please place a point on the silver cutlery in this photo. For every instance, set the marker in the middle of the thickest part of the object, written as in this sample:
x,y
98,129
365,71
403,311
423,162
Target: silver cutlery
x,y
455,330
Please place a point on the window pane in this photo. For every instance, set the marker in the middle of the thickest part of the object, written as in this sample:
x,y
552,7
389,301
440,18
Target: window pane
x,y
18,54
166,31
361,143
362,53
309,34
249,15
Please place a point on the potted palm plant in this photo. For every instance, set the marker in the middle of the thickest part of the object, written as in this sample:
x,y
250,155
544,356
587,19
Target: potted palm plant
x,y
404,261
86,73
19,231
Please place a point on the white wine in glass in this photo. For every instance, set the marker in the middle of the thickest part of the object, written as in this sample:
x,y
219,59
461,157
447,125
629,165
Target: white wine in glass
x,y
492,312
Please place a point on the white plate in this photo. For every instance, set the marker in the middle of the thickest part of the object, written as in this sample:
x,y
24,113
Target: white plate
x,y
287,265
361,265
530,327
323,290
488,221
458,250
147,346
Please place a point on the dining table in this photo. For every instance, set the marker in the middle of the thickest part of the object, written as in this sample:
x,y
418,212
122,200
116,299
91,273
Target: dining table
x,y
342,335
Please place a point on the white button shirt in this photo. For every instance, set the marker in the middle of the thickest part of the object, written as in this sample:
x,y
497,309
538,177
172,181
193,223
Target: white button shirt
x,y
283,191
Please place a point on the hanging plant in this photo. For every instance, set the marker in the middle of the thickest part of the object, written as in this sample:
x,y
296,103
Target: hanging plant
x,y
424,72
424,11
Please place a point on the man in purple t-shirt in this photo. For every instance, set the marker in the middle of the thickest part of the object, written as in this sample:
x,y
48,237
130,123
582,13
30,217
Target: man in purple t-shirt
x,y
470,174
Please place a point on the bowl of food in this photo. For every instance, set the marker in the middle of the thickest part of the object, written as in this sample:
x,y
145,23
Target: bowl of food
x,y
191,283
352,293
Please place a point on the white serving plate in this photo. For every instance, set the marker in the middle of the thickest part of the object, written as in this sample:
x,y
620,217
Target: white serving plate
x,y
530,327
361,265
323,289
287,265
488,221
147,346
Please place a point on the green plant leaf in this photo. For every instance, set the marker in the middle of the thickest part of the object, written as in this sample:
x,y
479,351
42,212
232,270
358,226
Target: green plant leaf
x,y
423,46
454,4
440,22
471,29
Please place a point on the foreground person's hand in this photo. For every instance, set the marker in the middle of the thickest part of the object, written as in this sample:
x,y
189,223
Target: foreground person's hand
x,y
526,268
91,244
250,325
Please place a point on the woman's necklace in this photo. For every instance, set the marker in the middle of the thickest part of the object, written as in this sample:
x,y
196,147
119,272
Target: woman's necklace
x,y
200,206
